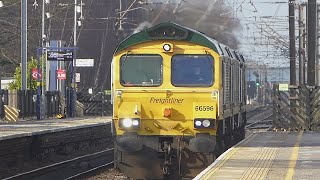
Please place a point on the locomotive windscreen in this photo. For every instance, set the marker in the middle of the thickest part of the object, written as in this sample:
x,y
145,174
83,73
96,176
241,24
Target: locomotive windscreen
x,y
141,70
192,70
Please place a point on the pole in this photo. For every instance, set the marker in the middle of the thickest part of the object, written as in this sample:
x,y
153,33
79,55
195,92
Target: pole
x,y
0,78
301,50
292,55
311,23
39,52
318,48
43,46
24,44
120,14
75,24
292,43
73,73
43,58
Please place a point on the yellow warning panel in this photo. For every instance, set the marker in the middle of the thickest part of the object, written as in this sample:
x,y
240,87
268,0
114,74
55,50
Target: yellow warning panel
x,y
11,114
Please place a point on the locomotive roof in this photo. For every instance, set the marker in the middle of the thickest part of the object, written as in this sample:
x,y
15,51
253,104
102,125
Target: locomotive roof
x,y
169,31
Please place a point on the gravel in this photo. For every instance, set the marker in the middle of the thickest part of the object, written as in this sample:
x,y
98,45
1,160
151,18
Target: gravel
x,y
107,174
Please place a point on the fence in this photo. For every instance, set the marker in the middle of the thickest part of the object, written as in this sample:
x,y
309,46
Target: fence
x,y
298,111
96,104
3,101
26,100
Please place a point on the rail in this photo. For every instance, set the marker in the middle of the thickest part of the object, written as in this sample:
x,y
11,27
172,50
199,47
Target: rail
x,y
69,169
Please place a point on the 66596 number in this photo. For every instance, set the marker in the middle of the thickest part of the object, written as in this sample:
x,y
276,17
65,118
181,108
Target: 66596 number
x,y
203,108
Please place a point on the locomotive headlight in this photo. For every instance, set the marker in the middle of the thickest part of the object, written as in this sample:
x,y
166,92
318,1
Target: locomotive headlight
x,y
201,123
206,123
127,123
198,123
135,122
167,47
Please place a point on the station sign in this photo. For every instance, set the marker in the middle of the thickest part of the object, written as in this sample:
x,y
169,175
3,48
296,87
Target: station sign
x,y
35,73
60,56
283,87
84,63
77,77
61,74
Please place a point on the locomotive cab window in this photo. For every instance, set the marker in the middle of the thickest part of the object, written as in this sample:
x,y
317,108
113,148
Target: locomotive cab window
x,y
192,70
141,70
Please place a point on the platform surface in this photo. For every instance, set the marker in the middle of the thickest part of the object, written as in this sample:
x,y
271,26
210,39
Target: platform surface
x,y
269,155
36,127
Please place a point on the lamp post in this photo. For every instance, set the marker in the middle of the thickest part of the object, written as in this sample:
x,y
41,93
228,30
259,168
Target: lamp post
x,y
44,58
76,22
24,44
1,5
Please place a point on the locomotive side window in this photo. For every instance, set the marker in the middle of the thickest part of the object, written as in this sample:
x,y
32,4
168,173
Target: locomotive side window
x,y
141,70
192,70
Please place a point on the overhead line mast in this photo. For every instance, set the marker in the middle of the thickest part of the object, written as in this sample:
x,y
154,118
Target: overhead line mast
x,y
292,43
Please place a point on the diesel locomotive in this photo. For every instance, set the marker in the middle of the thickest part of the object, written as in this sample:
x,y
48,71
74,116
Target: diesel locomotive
x,y
178,102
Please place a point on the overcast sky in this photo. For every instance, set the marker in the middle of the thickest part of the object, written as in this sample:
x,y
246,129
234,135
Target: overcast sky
x,y
265,34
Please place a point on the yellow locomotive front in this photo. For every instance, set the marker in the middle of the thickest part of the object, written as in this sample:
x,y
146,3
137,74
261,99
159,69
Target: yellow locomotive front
x,y
165,83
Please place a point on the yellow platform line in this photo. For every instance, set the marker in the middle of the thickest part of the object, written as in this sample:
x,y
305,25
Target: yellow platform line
x,y
274,147
263,160
294,157
223,159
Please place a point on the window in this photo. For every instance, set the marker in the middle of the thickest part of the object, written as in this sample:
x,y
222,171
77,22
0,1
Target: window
x,y
192,70
141,70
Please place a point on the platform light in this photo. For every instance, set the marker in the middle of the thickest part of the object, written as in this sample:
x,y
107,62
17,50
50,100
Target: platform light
x,y
1,4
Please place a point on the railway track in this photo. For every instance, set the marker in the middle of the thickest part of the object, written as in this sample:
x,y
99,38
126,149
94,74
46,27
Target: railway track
x,y
256,111
70,169
260,118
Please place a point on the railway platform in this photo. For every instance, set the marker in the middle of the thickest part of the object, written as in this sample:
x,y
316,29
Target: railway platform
x,y
38,127
269,155
28,145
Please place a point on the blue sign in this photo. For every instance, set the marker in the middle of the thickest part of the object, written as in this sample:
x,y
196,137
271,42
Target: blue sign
x,y
59,56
